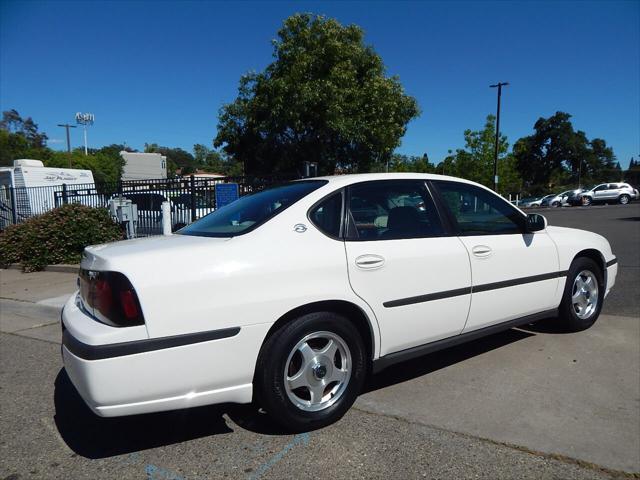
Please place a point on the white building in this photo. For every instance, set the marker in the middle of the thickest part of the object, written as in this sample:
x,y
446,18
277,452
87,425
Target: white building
x,y
143,166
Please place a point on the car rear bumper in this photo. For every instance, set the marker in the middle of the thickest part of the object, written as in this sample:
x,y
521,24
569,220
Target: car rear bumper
x,y
151,375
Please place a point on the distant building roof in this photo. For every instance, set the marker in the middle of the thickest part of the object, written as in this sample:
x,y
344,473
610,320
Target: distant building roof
x,y
199,173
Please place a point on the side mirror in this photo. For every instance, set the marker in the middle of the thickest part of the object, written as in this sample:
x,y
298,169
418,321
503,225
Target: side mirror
x,y
536,222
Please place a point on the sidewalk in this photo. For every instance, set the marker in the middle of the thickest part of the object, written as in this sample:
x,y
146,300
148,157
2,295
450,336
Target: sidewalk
x,y
30,303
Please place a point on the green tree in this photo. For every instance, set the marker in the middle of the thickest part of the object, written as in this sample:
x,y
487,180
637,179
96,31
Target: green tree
x,y
632,174
557,156
325,98
176,158
106,167
476,160
405,163
601,163
20,138
213,161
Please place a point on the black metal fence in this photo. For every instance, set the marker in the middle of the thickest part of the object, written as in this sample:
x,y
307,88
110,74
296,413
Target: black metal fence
x,y
190,198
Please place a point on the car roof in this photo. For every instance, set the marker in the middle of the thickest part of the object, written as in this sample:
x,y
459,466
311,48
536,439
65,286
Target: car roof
x,y
350,178
339,181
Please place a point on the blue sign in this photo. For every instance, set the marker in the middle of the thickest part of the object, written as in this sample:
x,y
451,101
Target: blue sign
x,y
226,193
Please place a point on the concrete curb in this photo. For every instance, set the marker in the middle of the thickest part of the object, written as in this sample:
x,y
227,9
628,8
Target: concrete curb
x,y
18,316
62,268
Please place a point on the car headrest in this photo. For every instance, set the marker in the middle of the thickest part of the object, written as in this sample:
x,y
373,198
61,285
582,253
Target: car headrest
x,y
403,218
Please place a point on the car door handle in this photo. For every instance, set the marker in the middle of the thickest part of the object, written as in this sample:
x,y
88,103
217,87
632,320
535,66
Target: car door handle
x,y
369,261
481,251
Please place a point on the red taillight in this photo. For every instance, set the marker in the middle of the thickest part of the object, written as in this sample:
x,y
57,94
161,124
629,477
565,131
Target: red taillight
x,y
111,298
129,304
103,297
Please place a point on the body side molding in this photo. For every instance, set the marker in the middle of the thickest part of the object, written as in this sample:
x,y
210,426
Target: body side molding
x,y
403,355
474,289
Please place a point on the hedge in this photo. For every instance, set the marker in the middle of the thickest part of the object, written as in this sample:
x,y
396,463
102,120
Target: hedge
x,y
58,236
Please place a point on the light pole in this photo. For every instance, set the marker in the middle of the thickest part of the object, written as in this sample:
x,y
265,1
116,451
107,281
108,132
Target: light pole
x,y
498,85
85,119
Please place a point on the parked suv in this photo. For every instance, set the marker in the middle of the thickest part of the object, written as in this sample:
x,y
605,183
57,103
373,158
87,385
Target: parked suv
x,y
621,193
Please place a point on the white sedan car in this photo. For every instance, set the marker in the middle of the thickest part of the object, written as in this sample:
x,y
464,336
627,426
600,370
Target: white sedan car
x,y
289,296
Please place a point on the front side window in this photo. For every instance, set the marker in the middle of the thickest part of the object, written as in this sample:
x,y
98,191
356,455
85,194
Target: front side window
x,y
478,211
249,212
391,210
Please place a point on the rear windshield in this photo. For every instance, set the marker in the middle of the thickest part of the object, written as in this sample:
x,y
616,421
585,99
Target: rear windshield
x,y
250,211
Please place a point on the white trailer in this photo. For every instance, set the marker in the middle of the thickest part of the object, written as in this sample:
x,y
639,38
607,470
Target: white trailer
x,y
28,188
143,166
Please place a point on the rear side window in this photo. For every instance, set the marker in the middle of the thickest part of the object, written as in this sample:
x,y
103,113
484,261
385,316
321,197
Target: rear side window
x,y
327,215
251,211
478,211
391,210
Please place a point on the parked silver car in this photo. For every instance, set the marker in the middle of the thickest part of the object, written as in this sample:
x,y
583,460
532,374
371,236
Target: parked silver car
x,y
556,200
622,193
541,201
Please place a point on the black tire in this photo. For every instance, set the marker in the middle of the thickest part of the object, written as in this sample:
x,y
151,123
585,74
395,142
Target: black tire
x,y
624,199
570,320
555,204
269,381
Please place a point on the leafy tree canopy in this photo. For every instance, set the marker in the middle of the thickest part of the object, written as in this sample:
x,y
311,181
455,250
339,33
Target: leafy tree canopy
x,y
476,160
27,128
405,163
632,175
557,155
176,158
325,98
214,161
20,138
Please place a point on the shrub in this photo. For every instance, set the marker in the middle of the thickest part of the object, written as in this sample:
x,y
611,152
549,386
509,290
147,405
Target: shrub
x,y
58,236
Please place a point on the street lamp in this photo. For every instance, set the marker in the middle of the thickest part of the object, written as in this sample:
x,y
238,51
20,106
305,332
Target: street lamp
x,y
499,86
85,119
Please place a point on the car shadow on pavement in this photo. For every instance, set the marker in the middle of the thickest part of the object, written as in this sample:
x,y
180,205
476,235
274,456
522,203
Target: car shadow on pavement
x,y
95,437
548,325
432,362
92,436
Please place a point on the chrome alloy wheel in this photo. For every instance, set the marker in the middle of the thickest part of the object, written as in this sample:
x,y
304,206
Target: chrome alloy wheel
x,y
584,295
317,371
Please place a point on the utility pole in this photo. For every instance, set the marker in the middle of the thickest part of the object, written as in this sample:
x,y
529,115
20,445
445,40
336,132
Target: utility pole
x,y
499,86
580,174
67,127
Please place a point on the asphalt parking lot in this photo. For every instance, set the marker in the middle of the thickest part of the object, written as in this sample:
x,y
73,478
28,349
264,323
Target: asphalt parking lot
x,y
526,403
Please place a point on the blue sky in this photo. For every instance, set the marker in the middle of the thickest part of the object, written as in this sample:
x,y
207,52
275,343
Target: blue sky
x,y
159,71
